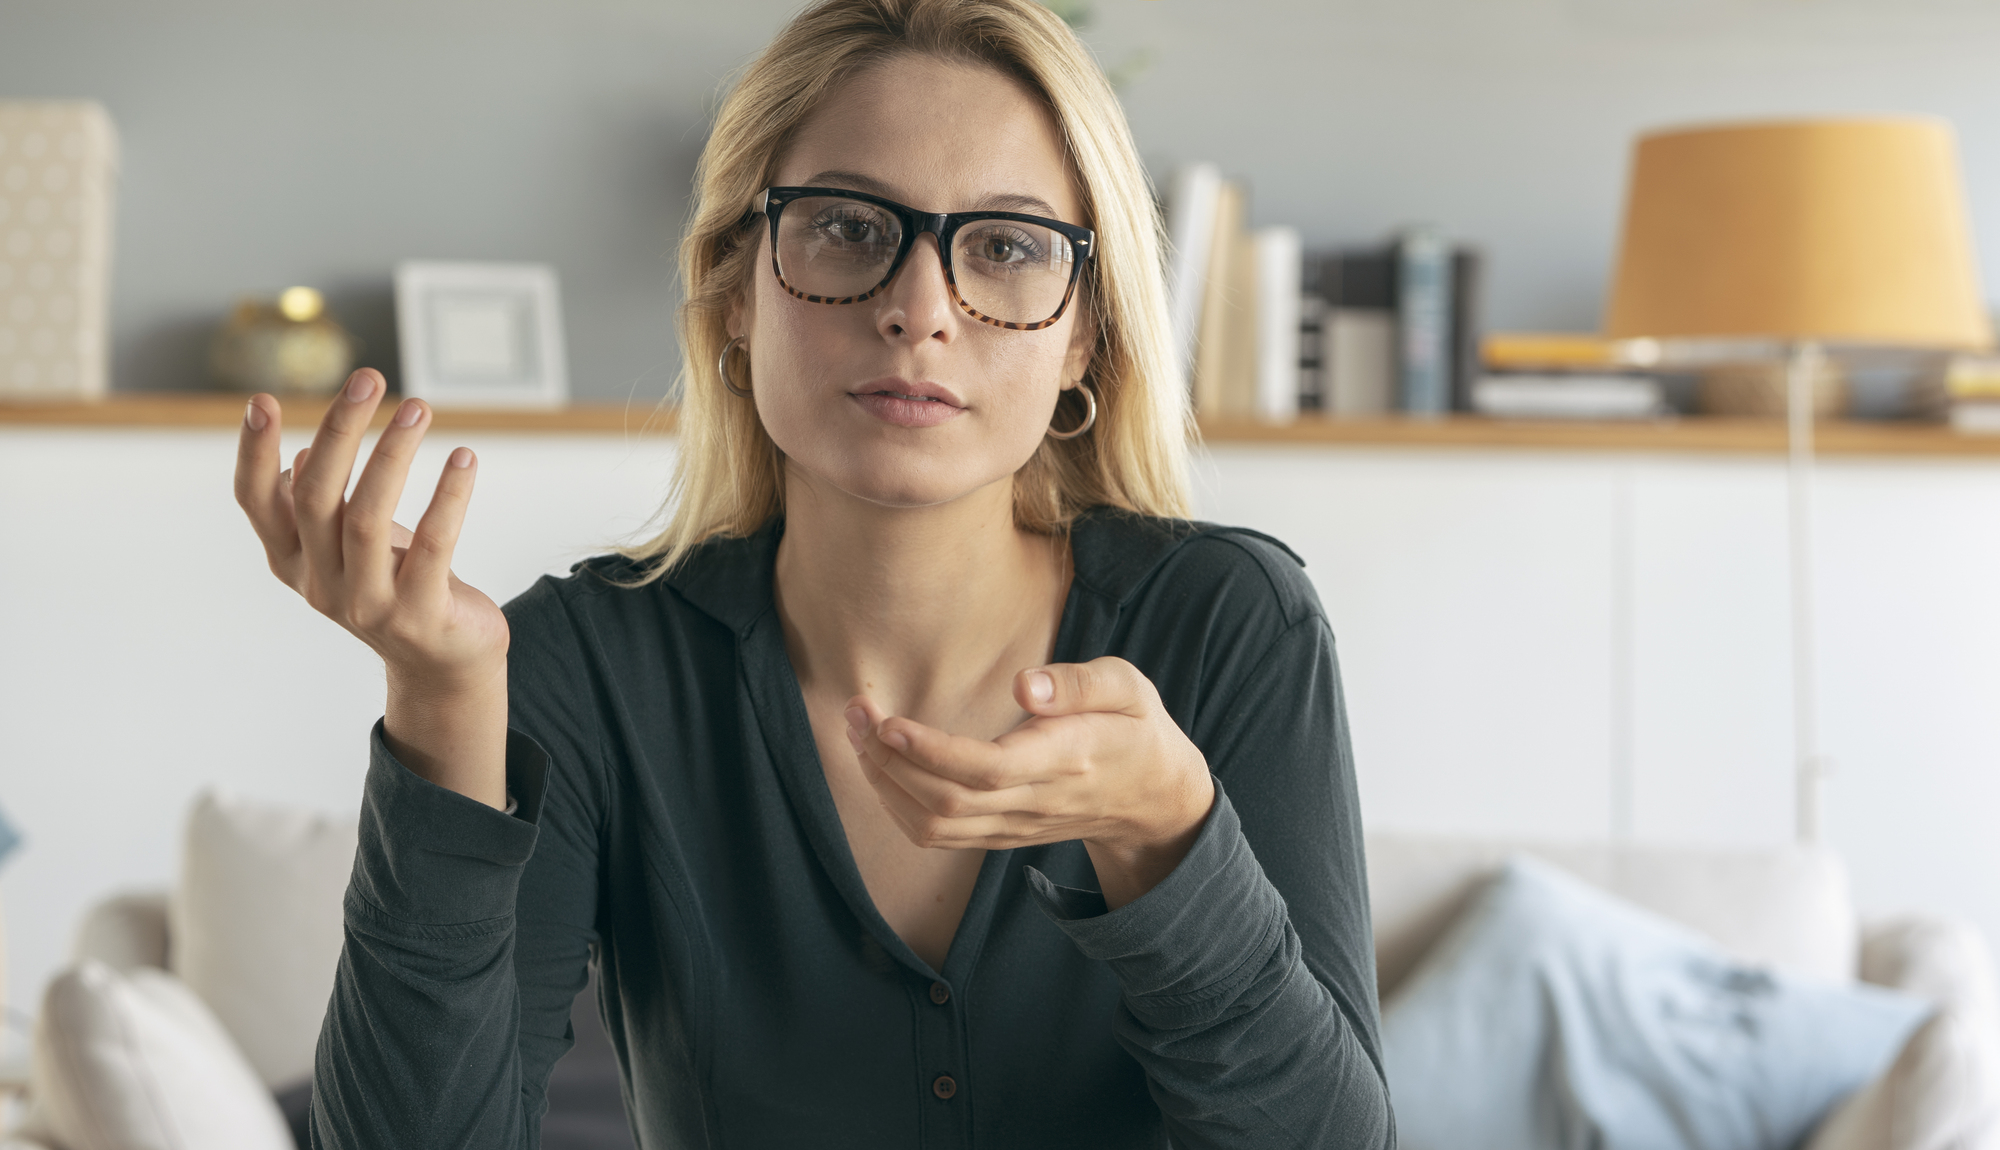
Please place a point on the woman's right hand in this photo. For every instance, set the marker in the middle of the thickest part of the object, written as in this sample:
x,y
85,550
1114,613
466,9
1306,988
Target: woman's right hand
x,y
443,642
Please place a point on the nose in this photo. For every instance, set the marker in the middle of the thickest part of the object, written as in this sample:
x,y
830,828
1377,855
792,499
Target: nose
x,y
917,304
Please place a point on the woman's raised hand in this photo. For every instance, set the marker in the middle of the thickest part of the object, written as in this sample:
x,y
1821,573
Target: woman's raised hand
x,y
444,642
1098,759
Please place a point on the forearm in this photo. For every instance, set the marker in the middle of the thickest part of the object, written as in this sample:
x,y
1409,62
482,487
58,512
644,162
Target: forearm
x,y
1242,1045
421,1041
453,736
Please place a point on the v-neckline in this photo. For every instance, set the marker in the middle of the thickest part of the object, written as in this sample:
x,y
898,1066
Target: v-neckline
x,y
730,579
780,706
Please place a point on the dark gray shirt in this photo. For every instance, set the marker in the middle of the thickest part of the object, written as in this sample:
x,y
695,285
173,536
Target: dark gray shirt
x,y
674,826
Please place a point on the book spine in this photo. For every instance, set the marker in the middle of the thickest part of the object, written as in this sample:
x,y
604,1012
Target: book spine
x,y
1190,235
1423,307
1466,328
1280,271
1312,352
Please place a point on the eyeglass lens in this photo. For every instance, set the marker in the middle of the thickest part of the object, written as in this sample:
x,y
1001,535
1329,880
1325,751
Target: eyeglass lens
x,y
1007,270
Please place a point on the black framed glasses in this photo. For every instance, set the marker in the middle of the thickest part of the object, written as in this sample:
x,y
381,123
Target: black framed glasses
x,y
831,245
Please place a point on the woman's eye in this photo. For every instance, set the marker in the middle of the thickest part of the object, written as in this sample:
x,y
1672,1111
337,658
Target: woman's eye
x,y
1005,247
851,229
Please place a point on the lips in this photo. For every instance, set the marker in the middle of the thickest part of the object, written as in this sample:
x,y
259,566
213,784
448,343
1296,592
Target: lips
x,y
908,404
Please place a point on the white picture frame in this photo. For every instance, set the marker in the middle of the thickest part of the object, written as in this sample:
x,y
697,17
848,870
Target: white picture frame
x,y
481,334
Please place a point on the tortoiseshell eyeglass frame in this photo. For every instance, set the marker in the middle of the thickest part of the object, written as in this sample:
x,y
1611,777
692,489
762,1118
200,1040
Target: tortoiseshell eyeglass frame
x,y
944,225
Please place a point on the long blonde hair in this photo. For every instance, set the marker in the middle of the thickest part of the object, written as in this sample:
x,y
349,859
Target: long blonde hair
x,y
729,478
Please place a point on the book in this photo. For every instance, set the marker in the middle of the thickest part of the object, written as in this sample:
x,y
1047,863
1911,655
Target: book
x,y
1553,351
1976,416
1467,286
1312,328
1357,351
1224,381
1280,262
1360,359
1191,216
1423,311
1569,396
1363,332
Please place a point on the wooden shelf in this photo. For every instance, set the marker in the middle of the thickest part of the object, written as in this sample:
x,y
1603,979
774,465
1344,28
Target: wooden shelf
x,y
1696,435
223,410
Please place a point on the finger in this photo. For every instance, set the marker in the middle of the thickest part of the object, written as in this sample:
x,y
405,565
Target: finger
x,y
319,481
427,564
928,828
1107,684
974,763
367,527
260,490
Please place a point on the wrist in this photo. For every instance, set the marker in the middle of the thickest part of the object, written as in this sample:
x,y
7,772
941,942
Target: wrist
x,y
1130,864
451,733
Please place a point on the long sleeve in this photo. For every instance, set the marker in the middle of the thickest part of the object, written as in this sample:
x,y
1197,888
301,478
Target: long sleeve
x,y
1248,974
468,930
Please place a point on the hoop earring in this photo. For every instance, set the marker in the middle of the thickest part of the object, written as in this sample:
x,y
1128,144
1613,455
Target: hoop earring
x,y
722,367
1089,419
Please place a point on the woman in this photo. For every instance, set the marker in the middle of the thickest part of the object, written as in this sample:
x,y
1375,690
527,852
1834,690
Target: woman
x,y
887,786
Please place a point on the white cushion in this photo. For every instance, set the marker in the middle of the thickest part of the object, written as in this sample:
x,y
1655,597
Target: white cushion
x,y
136,1061
125,931
255,925
1943,1092
1785,907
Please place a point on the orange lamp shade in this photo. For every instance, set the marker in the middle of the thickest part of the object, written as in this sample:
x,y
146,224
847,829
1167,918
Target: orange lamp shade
x,y
1835,230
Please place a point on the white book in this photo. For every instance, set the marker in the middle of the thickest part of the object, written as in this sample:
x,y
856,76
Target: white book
x,y
1976,417
1357,361
1569,397
1190,233
1280,257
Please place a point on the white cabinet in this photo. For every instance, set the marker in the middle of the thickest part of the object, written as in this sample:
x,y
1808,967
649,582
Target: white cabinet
x,y
1534,643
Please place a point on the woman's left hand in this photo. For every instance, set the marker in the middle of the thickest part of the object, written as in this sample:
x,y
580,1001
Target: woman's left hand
x,y
1098,759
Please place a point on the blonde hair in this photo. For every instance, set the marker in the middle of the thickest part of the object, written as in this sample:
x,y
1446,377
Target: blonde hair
x,y
729,478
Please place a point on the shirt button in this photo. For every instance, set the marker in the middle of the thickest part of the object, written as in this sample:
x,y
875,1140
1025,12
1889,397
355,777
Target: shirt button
x,y
944,1087
940,993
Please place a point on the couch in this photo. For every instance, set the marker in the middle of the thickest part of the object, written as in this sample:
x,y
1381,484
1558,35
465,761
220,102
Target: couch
x,y
1788,908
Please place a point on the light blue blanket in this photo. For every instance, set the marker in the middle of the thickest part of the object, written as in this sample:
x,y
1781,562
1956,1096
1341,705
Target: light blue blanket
x,y
1553,1016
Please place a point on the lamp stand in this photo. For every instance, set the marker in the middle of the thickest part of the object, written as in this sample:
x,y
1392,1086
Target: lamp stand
x,y
1802,367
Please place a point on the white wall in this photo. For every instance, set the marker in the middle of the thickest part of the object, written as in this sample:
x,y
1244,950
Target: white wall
x,y
146,651
1565,646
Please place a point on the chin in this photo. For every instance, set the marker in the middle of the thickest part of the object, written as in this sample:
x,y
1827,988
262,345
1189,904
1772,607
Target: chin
x,y
906,483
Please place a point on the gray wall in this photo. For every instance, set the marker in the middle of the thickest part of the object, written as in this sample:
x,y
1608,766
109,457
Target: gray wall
x,y
270,142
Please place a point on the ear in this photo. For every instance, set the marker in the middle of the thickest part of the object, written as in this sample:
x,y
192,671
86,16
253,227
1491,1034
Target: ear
x,y
736,321
1082,345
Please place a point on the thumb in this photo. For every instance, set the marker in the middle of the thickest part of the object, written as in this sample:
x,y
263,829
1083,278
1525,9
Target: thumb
x,y
1107,684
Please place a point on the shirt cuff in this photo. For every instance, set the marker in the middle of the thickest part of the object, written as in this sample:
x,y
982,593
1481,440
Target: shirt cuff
x,y
1207,927
430,855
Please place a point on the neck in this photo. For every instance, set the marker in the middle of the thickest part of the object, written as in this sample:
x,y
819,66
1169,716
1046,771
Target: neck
x,y
914,607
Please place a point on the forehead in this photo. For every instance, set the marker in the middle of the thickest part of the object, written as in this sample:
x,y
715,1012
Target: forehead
x,y
938,135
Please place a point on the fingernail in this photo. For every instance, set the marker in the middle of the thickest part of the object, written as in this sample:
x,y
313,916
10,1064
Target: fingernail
x,y
254,416
462,457
857,720
898,740
1041,688
406,415
360,387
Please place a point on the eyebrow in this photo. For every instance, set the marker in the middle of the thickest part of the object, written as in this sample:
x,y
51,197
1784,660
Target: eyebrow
x,y
996,202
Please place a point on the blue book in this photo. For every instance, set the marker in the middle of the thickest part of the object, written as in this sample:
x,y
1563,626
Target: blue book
x,y
1423,305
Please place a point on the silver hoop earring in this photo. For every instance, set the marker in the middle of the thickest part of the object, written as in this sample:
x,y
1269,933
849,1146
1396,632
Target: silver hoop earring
x,y
722,367
1089,418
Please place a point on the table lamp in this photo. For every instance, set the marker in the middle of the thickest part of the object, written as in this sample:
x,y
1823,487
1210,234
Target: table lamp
x,y
1804,233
